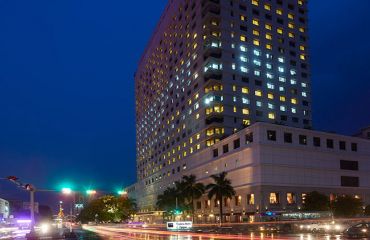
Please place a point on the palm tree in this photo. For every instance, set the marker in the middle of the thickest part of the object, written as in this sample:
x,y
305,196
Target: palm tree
x,y
167,200
220,188
191,190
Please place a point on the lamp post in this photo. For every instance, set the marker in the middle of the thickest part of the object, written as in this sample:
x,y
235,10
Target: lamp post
x,y
31,189
68,191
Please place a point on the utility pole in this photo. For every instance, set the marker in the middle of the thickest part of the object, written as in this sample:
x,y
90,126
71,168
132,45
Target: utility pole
x,y
31,189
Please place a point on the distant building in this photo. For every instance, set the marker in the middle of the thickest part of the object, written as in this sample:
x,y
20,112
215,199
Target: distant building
x,y
4,209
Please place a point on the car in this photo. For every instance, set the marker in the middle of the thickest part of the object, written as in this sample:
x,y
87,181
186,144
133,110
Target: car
x,y
331,227
360,230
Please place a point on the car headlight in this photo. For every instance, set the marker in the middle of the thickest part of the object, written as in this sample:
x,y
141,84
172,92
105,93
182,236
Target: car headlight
x,y
301,226
327,227
44,228
338,227
364,230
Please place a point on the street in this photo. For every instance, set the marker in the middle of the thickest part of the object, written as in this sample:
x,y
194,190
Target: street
x,y
129,233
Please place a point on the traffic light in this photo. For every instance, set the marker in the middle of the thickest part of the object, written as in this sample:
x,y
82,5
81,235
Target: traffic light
x,y
12,178
28,187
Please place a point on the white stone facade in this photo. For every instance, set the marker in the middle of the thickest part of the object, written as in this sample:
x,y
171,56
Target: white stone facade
x,y
267,166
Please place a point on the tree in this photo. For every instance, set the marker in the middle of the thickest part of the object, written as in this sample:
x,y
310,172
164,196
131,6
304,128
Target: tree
x,y
108,209
316,201
191,190
221,188
346,206
167,200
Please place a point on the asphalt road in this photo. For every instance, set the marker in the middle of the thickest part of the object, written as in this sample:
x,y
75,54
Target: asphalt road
x,y
153,234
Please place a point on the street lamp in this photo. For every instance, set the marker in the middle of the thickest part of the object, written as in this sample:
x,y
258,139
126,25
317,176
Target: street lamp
x,y
91,192
122,193
66,191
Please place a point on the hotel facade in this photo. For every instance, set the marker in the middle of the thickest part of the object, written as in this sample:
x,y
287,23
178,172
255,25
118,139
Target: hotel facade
x,y
224,85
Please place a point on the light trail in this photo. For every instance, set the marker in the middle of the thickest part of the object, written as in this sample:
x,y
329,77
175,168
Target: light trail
x,y
114,232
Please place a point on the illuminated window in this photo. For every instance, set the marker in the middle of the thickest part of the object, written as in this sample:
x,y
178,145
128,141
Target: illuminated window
x,y
245,111
269,46
234,88
243,38
255,2
268,36
235,109
257,62
256,42
302,48
271,115
256,32
267,7
243,18
274,198
256,22
291,35
250,199
280,31
290,16
294,101
245,90
245,101
302,57
257,52
243,69
291,25
279,11
258,93
270,96
246,122
243,59
291,198
268,26
282,98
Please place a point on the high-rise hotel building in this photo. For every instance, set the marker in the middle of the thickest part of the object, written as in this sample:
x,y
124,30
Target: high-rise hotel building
x,y
211,69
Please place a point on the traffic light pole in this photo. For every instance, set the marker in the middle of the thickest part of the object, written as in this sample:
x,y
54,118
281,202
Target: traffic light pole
x,y
32,208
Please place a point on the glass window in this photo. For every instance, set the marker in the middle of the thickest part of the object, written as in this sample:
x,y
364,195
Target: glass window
x,y
226,148
291,198
274,198
271,135
250,199
238,200
302,139
329,143
316,141
237,143
288,137
342,145
249,138
215,152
